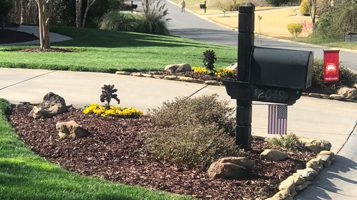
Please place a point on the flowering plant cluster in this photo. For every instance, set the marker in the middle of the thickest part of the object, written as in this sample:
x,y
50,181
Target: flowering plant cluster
x,y
112,111
220,73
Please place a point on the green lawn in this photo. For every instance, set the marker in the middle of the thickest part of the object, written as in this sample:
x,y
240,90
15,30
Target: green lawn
x,y
108,51
24,175
328,42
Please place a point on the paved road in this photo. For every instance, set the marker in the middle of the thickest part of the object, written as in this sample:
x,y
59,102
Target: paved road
x,y
190,26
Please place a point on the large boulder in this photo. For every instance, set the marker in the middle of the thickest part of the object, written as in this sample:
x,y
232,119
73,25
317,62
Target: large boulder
x,y
315,145
178,68
70,129
273,155
51,105
348,93
231,168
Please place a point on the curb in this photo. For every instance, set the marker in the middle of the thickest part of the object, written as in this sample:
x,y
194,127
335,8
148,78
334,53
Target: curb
x,y
301,179
218,83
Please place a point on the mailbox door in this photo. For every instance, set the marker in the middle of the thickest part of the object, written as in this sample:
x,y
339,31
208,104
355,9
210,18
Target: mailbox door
x,y
281,68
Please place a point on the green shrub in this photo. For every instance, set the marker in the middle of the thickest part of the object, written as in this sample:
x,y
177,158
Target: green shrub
x,y
199,110
346,78
192,132
277,2
337,21
295,29
289,142
304,8
117,21
191,145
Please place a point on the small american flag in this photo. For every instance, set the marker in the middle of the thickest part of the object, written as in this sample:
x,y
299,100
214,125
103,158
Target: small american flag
x,y
277,119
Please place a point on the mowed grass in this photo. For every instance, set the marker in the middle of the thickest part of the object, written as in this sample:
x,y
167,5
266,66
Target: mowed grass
x,y
24,175
109,51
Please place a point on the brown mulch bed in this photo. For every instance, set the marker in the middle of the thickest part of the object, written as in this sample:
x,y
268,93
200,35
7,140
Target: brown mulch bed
x,y
10,36
115,152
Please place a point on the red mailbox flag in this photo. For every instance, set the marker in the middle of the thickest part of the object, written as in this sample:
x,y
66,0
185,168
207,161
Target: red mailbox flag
x,y
331,65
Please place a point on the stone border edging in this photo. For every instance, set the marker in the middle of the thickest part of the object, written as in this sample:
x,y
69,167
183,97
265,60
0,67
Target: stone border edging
x,y
301,179
218,83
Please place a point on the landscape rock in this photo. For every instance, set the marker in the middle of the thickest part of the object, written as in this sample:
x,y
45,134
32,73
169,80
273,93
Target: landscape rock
x,y
308,173
148,75
316,95
273,155
185,78
348,93
231,168
326,157
315,145
51,105
170,77
281,195
336,97
122,73
325,96
178,68
138,74
298,179
355,85
233,67
287,184
315,164
302,186
211,82
70,129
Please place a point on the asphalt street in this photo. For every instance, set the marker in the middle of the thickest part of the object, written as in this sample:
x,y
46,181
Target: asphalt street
x,y
189,25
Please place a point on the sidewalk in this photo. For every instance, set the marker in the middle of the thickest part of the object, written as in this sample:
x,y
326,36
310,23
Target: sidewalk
x,y
315,118
54,37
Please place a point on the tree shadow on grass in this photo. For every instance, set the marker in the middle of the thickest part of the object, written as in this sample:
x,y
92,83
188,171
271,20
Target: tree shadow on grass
x,y
19,180
115,39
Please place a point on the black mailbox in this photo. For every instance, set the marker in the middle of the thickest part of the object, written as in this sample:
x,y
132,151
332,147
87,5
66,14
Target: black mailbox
x,y
134,6
281,68
203,6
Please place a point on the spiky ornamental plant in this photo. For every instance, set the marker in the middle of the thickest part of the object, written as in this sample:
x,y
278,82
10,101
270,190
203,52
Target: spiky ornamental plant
x,y
209,58
108,93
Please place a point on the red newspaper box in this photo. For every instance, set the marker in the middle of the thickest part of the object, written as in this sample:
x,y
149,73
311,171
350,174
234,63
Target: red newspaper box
x,y
331,65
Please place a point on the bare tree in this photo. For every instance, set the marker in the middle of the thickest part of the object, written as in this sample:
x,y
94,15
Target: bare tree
x,y
312,6
43,22
78,13
89,4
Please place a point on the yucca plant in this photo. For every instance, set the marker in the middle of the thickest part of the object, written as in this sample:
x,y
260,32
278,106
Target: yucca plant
x,y
209,58
108,93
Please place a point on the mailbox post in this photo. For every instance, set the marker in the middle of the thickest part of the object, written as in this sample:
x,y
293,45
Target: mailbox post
x,y
264,74
244,102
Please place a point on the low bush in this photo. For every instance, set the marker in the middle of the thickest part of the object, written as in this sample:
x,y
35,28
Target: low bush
x,y
289,142
191,145
192,132
116,21
304,7
200,110
346,78
295,29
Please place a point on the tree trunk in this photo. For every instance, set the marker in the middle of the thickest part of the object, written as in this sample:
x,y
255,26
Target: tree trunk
x,y
21,11
43,23
89,4
2,22
78,13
